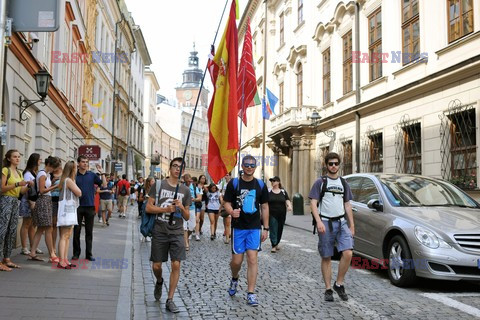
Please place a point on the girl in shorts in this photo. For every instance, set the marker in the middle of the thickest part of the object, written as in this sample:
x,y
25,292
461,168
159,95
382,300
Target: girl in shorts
x,y
213,206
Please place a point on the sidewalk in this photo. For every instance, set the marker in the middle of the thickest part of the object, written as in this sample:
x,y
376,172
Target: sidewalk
x,y
94,290
301,222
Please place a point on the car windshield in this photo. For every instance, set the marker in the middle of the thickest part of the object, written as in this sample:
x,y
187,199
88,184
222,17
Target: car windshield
x,y
415,191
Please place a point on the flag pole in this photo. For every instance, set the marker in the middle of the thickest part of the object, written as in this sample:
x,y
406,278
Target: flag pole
x,y
195,110
264,87
241,125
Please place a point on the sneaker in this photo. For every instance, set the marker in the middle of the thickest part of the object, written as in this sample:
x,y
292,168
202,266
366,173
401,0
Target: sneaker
x,y
25,251
106,222
197,237
99,220
171,306
38,251
233,287
190,237
148,239
329,295
252,299
273,250
157,293
340,290
212,237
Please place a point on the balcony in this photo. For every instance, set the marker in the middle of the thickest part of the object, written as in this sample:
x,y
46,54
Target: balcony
x,y
293,117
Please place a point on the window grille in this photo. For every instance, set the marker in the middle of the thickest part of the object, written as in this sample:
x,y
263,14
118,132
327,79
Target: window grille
x,y
408,146
458,145
347,157
373,151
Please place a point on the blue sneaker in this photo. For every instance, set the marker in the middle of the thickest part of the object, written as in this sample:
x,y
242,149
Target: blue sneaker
x,y
233,287
252,299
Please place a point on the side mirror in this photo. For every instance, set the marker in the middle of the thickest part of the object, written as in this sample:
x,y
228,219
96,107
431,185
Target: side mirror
x,y
375,204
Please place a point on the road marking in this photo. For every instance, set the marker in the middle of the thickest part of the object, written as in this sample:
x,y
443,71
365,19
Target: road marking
x,y
293,245
308,250
366,312
453,303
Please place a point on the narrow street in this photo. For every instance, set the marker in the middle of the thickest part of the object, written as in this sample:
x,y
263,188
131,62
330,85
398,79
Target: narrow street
x,y
119,285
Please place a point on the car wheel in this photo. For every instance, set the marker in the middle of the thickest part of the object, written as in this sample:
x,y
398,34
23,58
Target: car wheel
x,y
400,267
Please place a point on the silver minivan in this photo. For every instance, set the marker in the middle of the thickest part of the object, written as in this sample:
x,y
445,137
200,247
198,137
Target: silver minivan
x,y
416,226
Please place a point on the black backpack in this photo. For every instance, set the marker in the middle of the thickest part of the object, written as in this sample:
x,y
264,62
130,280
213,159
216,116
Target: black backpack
x,y
123,191
322,193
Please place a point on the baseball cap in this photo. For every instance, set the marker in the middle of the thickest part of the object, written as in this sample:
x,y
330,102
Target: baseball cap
x,y
275,178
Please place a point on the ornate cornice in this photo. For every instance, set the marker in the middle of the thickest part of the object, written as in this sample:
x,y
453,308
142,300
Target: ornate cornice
x,y
295,53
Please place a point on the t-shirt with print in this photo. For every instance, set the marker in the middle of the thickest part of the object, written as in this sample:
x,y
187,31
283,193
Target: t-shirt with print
x,y
165,198
246,221
213,200
277,204
15,192
332,202
48,182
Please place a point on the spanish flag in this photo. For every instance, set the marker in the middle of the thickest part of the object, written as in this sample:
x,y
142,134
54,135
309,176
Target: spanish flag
x,y
223,110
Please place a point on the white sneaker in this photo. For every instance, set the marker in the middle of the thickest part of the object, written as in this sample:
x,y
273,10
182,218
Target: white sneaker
x,y
99,220
148,239
190,237
197,237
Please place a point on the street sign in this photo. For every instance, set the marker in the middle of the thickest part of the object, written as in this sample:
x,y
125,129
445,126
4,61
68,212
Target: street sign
x,y
118,166
34,15
91,152
158,169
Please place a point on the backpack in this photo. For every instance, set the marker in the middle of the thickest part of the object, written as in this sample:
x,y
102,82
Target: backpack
x,y
198,204
123,191
248,206
32,194
322,193
9,174
148,220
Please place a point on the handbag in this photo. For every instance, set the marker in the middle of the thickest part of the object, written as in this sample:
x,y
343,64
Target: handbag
x,y
67,208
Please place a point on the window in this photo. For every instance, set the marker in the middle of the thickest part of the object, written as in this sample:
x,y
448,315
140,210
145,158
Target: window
x,y
412,149
460,18
282,29
280,96
410,31
300,86
347,63
463,149
375,43
367,192
300,11
376,152
326,76
347,156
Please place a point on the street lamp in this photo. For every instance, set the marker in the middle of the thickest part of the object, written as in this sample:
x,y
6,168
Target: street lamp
x,y
42,79
315,118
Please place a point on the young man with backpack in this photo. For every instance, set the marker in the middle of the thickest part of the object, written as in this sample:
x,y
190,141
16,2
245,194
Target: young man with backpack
x,y
330,200
167,235
243,198
123,192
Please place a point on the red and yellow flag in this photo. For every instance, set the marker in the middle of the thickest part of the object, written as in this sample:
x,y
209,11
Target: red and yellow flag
x,y
223,110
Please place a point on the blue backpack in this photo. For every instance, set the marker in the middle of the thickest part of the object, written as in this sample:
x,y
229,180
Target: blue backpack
x,y
248,206
148,220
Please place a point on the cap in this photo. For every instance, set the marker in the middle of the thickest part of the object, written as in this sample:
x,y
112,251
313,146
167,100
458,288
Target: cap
x,y
276,178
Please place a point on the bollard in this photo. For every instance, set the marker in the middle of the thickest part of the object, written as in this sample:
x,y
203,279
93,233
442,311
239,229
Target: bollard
x,y
298,204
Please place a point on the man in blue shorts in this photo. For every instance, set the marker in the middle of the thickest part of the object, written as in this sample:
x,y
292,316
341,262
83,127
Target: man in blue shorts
x,y
333,195
243,198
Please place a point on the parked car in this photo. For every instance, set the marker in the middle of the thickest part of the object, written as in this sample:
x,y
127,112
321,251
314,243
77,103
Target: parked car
x,y
421,226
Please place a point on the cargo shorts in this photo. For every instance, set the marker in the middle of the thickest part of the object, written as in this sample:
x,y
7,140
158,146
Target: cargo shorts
x,y
340,235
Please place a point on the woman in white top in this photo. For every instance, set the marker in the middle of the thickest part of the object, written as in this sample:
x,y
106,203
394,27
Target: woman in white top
x,y
71,190
42,212
213,207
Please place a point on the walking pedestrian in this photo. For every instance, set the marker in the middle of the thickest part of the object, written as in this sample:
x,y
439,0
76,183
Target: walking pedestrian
x,y
12,186
138,192
27,203
189,225
197,194
149,182
43,211
278,203
329,201
168,230
106,202
243,198
55,177
213,208
86,181
123,192
68,190
227,219
202,185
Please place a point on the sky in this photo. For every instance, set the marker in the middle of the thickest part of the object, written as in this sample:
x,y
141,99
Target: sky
x,y
170,27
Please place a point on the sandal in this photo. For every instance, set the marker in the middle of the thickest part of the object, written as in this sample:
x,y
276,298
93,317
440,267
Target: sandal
x,y
4,267
54,260
35,258
12,265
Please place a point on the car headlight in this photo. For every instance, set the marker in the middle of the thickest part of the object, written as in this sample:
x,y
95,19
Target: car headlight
x,y
429,239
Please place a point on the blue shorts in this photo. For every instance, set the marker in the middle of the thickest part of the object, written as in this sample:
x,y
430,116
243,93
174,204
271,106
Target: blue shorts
x,y
340,234
245,239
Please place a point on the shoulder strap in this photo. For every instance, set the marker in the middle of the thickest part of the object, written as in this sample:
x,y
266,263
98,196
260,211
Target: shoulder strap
x,y
324,188
261,183
235,183
9,173
158,187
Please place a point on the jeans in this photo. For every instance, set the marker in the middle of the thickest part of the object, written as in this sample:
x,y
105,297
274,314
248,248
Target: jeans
x,y
87,213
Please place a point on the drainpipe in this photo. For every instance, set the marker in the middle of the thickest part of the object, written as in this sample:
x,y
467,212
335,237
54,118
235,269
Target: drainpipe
x,y
357,88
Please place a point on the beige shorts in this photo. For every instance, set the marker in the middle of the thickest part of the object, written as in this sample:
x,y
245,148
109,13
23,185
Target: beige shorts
x,y
106,205
122,201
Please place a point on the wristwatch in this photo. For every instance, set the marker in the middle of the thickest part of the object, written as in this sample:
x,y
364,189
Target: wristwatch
x,y
266,229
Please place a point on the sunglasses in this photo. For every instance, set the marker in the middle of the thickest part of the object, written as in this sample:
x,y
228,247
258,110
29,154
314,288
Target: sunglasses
x,y
331,164
249,165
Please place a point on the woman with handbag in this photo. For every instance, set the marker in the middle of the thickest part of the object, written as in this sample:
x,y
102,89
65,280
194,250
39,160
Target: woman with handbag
x,y
12,186
28,202
67,210
42,213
